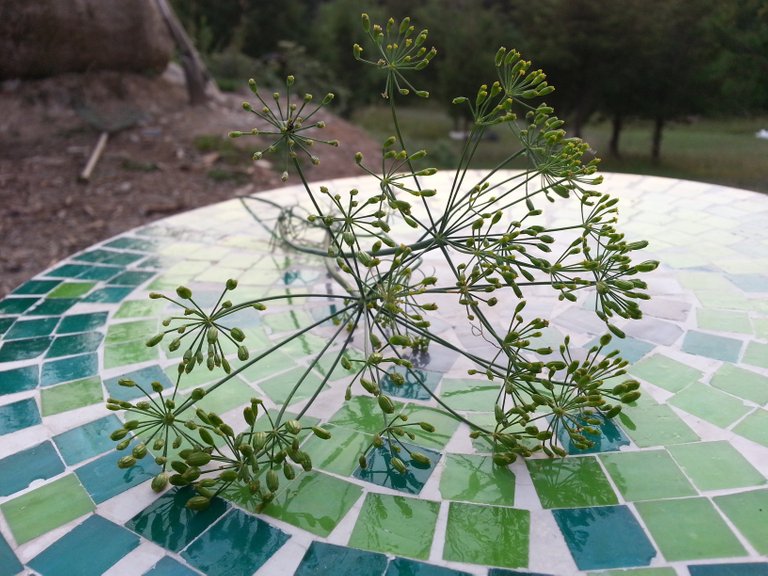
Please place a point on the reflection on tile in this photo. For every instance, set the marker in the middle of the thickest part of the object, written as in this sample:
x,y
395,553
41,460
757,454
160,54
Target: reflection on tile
x,y
689,529
748,511
67,369
298,504
22,468
466,394
405,567
143,377
19,379
45,508
360,413
417,382
380,471
88,550
717,347
88,440
108,257
487,535
647,475
322,559
18,415
609,439
339,454
445,426
168,566
571,482
135,244
170,524
103,479
636,572
604,537
395,524
82,322
474,478
716,466
6,323
236,545
279,387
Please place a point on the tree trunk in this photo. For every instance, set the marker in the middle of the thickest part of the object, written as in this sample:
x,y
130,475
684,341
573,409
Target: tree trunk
x,y
658,128
616,126
195,72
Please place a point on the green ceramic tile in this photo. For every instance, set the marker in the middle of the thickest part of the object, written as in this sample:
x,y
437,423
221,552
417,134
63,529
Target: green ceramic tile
x,y
10,565
132,330
72,290
45,508
749,513
18,415
279,387
298,504
665,372
571,482
340,453
16,305
37,287
717,347
290,321
464,394
135,244
487,535
131,278
274,362
655,425
760,326
395,524
19,470
754,427
742,383
756,354
723,320
303,345
689,529
322,559
19,379
380,471
53,307
88,440
109,257
229,395
70,396
445,425
98,273
647,475
108,295
636,572
128,353
68,369
82,322
716,466
6,323
474,478
31,328
710,404
68,271
74,344
140,308
23,349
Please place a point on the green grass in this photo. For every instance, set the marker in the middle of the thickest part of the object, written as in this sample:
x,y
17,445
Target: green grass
x,y
721,151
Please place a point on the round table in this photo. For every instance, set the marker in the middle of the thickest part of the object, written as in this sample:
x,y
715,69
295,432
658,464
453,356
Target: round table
x,y
676,486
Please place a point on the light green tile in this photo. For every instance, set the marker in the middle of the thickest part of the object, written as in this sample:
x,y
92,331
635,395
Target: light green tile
x,y
689,529
760,326
655,425
710,404
45,508
140,308
754,427
229,395
487,535
716,466
71,290
647,475
396,525
71,395
665,372
361,413
473,478
723,320
445,425
756,354
276,361
748,511
131,330
128,353
280,386
340,453
469,395
742,383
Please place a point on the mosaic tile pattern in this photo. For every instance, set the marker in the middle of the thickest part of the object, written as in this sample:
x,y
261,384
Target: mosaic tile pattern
x,y
677,485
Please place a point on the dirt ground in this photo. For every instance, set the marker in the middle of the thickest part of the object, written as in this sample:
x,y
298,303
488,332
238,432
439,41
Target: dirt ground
x,y
162,157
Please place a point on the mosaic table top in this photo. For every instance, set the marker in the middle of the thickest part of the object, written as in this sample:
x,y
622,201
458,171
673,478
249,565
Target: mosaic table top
x,y
677,486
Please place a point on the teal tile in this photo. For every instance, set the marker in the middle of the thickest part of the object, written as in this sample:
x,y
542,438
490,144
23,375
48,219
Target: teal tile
x,y
6,323
36,287
604,537
717,347
9,564
108,257
135,244
108,295
406,567
170,524
710,404
731,569
71,290
67,369
98,273
756,354
68,271
417,386
103,480
53,307
630,349
131,278
26,349
82,322
88,440
322,559
168,566
19,379
19,470
16,305
31,328
380,471
609,438
236,545
72,344
143,377
18,415
90,549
